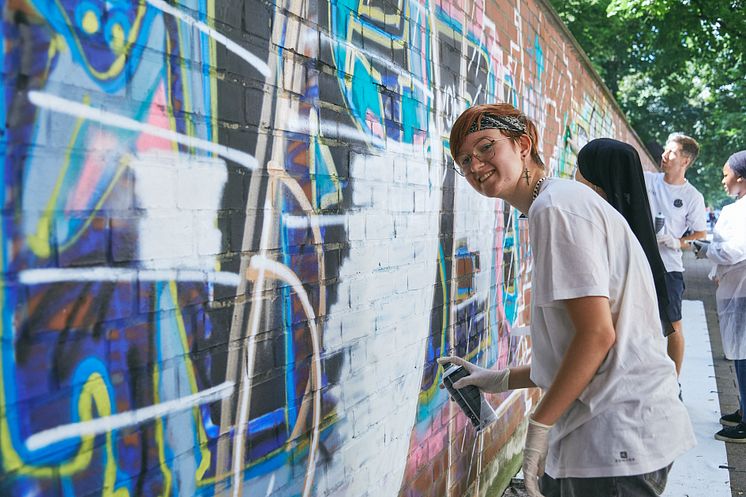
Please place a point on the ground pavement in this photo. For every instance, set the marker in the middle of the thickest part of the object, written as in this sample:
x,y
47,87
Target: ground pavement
x,y
713,468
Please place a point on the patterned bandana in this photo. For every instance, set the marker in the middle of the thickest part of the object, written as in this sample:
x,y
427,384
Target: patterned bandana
x,y
491,121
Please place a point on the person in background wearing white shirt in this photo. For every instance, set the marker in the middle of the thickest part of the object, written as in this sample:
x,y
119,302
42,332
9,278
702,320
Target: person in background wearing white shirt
x,y
609,422
728,252
683,208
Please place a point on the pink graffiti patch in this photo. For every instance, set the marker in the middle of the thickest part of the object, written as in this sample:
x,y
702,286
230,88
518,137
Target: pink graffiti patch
x,y
100,143
157,117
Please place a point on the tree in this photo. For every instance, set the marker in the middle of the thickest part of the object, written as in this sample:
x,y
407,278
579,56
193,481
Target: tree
x,y
673,66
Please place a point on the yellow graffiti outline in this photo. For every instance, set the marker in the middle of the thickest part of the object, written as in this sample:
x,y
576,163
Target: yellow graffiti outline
x,y
118,64
123,163
39,241
159,435
159,438
185,88
371,34
289,445
331,198
94,388
213,56
427,394
169,107
352,53
202,436
56,44
377,13
205,452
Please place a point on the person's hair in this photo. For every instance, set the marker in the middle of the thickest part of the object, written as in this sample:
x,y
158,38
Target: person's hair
x,y
474,115
688,145
737,163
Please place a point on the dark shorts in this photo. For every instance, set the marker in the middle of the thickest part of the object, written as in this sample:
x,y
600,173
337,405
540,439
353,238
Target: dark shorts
x,y
675,286
647,485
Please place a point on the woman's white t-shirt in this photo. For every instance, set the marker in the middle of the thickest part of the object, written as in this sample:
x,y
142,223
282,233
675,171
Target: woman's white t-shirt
x,y
629,419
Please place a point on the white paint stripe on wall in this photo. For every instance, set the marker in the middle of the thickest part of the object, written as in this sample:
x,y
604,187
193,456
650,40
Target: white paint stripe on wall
x,y
130,418
299,222
285,274
229,44
113,274
333,129
77,109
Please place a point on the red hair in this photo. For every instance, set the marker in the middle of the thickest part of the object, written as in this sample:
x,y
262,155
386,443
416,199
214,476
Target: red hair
x,y
474,115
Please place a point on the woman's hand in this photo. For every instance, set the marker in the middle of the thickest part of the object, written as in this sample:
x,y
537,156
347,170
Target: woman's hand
x,y
700,248
535,455
487,380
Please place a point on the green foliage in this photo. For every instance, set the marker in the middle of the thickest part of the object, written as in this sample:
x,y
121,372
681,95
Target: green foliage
x,y
673,66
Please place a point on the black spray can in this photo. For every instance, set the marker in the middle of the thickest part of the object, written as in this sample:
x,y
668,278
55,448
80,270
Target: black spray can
x,y
660,222
469,398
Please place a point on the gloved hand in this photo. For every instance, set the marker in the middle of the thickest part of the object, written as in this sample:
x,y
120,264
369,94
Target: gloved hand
x,y
534,456
669,241
700,248
487,380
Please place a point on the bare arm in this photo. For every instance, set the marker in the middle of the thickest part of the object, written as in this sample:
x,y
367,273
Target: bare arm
x,y
694,235
594,337
520,377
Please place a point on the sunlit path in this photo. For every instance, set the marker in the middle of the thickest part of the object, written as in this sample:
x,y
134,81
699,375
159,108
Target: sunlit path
x,y
701,470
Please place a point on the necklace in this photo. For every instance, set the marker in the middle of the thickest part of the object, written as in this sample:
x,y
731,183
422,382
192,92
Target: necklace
x,y
535,193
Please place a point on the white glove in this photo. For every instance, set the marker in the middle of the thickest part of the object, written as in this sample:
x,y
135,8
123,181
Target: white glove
x,y
700,248
534,456
669,241
487,380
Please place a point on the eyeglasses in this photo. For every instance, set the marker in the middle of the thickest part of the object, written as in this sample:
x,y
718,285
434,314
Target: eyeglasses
x,y
483,151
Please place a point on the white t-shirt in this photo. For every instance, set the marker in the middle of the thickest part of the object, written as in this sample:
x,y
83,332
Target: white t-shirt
x,y
628,420
684,209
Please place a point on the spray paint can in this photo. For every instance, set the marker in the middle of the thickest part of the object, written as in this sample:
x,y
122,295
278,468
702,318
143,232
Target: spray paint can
x,y
468,398
660,222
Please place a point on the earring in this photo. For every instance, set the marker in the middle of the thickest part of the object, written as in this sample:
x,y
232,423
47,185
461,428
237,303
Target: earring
x,y
525,175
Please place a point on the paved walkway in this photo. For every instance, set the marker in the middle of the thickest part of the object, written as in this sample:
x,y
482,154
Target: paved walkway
x,y
708,385
699,287
702,471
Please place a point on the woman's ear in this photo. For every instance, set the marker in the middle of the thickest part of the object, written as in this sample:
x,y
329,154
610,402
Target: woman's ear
x,y
524,143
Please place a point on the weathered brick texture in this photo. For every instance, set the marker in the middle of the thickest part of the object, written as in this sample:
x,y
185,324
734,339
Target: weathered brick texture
x,y
233,245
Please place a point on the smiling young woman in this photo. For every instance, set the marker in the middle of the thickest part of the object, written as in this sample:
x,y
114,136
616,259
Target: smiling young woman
x,y
495,148
610,420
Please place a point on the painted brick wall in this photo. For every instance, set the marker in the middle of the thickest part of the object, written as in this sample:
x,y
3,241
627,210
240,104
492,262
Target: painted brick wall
x,y
232,246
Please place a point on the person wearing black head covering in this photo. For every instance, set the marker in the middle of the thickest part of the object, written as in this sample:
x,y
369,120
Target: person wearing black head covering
x,y
615,168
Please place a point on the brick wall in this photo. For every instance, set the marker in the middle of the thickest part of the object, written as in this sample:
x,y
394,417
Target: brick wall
x,y
232,247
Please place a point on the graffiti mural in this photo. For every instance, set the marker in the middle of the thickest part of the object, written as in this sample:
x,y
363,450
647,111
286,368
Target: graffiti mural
x,y
233,245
